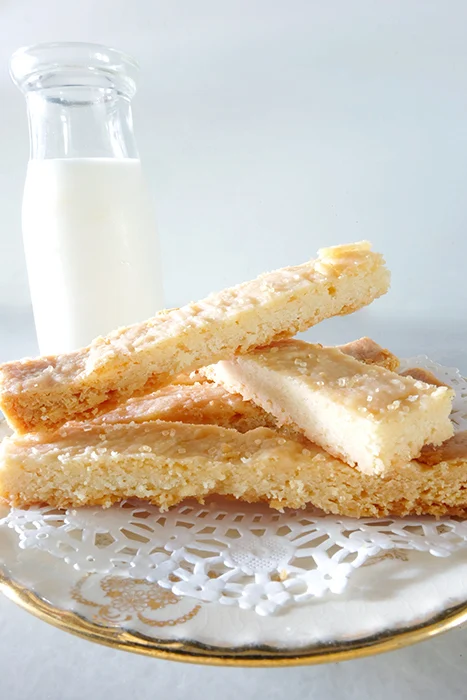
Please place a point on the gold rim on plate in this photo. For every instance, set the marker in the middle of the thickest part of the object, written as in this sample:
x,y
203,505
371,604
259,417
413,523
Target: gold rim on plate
x,y
195,652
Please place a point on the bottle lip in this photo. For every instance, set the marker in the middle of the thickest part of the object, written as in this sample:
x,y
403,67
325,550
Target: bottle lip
x,y
31,67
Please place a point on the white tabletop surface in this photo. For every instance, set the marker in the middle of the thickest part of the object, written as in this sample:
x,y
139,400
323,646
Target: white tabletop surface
x,y
267,129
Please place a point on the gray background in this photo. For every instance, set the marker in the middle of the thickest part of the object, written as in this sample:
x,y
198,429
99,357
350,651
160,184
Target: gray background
x,y
267,129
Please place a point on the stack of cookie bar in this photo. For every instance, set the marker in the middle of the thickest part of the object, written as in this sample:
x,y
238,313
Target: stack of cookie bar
x,y
217,397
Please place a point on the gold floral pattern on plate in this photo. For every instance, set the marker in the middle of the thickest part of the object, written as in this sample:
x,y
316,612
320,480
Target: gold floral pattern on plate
x,y
400,554
124,599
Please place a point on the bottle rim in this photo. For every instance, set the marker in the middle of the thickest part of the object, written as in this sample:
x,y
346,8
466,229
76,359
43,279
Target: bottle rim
x,y
32,66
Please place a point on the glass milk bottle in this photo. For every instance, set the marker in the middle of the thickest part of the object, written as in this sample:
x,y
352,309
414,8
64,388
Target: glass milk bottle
x,y
88,226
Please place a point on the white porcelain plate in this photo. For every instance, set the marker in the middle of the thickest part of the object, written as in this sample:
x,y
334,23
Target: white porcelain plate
x,y
228,583
396,598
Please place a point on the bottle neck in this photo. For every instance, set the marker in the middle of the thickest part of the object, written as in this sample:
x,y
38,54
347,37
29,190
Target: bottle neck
x,y
80,121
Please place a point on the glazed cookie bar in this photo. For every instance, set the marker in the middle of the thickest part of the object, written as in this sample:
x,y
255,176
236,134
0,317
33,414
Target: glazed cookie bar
x,y
164,463
40,394
201,403
366,415
366,350
209,403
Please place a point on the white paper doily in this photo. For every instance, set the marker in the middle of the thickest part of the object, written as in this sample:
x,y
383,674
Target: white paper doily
x,y
233,553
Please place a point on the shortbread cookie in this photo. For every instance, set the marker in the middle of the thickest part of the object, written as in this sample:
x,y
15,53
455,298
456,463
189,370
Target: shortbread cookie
x,y
201,403
39,394
366,415
366,350
210,403
164,463
453,449
188,378
423,375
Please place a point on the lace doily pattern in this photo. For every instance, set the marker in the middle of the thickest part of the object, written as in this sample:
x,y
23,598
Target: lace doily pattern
x,y
234,553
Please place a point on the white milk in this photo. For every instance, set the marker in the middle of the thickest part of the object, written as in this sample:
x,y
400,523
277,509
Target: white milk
x,y
91,248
